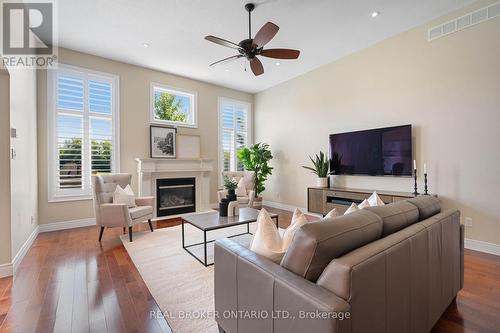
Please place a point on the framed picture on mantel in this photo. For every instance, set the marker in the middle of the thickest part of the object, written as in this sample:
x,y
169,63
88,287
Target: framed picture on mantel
x,y
162,142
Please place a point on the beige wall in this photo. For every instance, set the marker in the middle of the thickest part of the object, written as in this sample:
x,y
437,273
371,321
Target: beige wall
x,y
5,250
134,122
23,174
448,89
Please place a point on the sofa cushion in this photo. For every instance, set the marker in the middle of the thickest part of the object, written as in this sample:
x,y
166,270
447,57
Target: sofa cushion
x,y
396,216
427,206
316,244
140,211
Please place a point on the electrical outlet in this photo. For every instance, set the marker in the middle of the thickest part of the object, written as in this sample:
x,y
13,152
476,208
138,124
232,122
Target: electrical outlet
x,y
468,222
32,219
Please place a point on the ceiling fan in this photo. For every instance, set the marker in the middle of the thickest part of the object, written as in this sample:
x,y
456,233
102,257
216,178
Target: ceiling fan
x,y
250,48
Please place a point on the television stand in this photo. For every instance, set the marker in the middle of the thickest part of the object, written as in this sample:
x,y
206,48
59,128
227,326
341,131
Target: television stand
x,y
322,200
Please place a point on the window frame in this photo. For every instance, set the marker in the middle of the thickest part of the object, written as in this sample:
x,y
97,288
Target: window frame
x,y
55,194
193,95
249,132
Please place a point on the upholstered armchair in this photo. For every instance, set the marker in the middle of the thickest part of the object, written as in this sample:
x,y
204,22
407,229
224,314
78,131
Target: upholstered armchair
x,y
248,179
109,214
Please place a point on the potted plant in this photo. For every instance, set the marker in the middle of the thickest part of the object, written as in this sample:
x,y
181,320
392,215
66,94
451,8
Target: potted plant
x,y
256,158
230,184
321,168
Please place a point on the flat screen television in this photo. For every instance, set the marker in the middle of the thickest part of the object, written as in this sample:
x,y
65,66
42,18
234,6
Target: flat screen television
x,y
375,152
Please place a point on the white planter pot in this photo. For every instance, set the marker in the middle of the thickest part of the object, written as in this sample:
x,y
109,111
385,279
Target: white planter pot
x,y
322,182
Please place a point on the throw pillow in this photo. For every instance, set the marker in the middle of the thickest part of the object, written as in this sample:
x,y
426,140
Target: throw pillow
x,y
241,191
364,204
124,196
332,214
375,200
267,241
298,219
351,209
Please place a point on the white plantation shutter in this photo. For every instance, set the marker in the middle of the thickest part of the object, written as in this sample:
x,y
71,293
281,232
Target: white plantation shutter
x,y
83,129
234,124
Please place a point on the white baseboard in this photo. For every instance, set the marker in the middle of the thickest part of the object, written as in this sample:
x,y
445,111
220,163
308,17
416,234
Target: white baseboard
x,y
6,270
55,226
23,250
481,246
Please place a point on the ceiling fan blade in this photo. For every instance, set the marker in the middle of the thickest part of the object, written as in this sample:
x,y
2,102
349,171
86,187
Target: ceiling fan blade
x,y
265,34
256,67
281,53
222,42
228,59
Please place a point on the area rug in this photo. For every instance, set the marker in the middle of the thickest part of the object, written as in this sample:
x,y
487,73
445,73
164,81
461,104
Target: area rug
x,y
182,287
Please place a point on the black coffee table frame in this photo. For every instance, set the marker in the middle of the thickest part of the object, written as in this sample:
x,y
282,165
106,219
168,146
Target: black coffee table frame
x,y
206,230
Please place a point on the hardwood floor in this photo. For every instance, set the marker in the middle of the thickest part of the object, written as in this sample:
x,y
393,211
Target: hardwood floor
x,y
68,282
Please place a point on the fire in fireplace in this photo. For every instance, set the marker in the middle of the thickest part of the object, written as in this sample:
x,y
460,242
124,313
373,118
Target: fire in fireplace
x,y
175,196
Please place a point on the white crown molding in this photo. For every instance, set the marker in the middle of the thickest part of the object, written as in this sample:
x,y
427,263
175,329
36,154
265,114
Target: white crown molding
x,y
481,246
55,226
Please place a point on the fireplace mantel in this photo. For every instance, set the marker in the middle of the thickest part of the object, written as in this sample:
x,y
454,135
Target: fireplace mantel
x,y
151,169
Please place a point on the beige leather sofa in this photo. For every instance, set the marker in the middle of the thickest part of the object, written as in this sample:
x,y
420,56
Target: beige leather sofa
x,y
394,268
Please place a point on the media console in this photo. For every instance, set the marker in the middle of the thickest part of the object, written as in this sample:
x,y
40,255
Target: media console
x,y
322,200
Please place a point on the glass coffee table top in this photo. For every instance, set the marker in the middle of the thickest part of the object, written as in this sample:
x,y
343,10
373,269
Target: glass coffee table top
x,y
212,220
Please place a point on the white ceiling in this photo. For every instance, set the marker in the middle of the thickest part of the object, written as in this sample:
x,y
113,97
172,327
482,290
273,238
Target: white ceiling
x,y
324,30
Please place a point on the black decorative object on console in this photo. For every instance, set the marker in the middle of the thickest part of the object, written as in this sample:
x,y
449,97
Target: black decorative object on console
x,y
415,177
425,184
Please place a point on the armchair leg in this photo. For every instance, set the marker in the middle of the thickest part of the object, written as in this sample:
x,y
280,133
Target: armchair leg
x,y
130,234
150,225
100,234
124,230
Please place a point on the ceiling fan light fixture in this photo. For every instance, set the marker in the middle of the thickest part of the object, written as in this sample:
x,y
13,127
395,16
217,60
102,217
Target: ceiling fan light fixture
x,y
145,45
375,14
252,48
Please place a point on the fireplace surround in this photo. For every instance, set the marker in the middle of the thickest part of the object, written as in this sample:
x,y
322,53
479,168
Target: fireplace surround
x,y
149,170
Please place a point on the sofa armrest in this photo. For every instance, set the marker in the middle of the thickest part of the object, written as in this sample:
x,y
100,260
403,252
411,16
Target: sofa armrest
x,y
285,302
114,215
145,201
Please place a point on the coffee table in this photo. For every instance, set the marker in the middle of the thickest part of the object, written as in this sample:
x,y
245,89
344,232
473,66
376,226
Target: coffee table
x,y
210,221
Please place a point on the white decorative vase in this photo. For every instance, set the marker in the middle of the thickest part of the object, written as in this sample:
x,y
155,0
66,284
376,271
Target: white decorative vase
x,y
322,182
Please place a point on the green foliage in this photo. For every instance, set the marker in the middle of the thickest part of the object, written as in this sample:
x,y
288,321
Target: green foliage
x,y
167,107
321,165
256,158
230,183
70,156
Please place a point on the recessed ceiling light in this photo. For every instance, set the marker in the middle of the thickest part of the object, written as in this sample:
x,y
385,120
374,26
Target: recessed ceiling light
x,y
278,63
375,14
227,70
145,45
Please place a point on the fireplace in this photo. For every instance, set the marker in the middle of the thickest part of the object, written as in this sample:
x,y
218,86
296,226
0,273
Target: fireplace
x,y
175,196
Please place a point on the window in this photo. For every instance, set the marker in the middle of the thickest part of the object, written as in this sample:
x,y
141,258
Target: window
x,y
173,106
234,132
83,130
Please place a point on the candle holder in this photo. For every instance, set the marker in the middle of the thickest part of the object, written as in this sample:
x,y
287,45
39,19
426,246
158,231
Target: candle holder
x,y
425,184
415,192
